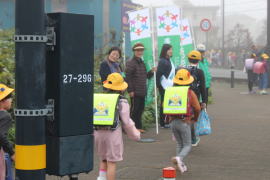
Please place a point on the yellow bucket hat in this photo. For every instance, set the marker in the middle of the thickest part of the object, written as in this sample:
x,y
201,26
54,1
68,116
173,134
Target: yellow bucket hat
x,y
183,77
5,91
265,56
115,82
196,55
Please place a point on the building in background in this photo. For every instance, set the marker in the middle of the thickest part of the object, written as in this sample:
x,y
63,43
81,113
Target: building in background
x,y
108,17
197,13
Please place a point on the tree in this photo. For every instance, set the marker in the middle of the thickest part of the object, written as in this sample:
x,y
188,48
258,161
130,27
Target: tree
x,y
239,38
262,38
7,56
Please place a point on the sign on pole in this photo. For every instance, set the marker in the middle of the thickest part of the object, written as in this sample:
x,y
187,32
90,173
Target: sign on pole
x,y
205,25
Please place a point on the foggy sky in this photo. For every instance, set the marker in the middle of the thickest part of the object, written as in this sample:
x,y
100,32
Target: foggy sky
x,y
253,8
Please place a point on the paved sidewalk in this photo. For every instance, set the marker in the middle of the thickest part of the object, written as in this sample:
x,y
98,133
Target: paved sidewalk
x,y
238,149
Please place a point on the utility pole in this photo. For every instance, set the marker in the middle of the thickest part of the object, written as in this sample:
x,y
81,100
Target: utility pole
x,y
223,29
268,26
30,38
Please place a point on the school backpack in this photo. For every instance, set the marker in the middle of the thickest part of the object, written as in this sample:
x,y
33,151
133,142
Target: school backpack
x,y
104,119
196,83
188,111
259,68
249,63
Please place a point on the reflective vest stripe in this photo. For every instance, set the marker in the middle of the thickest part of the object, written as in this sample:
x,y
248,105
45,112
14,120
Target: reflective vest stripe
x,y
176,101
104,109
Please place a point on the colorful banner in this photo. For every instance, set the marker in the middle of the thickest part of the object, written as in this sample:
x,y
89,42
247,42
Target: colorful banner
x,y
126,7
168,30
186,42
140,31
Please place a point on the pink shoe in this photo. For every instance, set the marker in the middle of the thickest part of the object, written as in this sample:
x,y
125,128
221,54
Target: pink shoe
x,y
179,164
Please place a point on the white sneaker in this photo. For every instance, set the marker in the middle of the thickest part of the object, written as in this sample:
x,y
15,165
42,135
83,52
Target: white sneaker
x,y
179,164
101,178
196,142
185,168
264,92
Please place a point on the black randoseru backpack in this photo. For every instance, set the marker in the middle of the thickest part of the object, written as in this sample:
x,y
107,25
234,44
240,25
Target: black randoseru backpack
x,y
196,83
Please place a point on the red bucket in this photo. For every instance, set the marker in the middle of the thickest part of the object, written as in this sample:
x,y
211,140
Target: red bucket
x,y
169,173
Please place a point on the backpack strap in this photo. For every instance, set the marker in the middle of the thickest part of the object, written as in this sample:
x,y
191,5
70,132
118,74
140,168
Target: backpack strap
x,y
189,108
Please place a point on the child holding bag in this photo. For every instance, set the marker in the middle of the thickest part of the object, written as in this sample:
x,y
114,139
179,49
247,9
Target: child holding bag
x,y
182,106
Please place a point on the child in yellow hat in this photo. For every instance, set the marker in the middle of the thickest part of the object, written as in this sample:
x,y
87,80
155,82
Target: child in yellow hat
x,y
5,125
109,143
181,124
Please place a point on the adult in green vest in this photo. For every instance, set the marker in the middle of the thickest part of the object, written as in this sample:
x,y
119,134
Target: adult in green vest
x,y
204,65
109,141
188,109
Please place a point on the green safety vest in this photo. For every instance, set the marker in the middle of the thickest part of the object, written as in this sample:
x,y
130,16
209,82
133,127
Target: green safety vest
x,y
176,100
104,109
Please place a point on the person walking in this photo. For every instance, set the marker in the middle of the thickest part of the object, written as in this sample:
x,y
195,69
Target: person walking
x,y
108,138
136,77
111,63
165,75
182,106
249,64
198,86
204,65
263,76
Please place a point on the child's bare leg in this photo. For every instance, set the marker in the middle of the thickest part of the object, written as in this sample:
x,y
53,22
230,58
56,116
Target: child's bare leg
x,y
102,170
111,170
103,165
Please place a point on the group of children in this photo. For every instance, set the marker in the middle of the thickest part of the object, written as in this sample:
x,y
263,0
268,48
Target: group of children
x,y
181,106
257,69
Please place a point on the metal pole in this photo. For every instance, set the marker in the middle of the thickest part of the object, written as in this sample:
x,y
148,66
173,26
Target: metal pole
x,y
193,34
268,32
154,60
207,36
268,26
223,30
30,91
124,49
232,77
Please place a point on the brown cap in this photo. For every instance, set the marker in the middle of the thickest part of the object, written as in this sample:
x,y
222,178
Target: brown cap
x,y
138,46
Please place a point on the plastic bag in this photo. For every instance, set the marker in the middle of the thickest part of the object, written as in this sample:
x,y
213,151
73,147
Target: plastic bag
x,y
203,126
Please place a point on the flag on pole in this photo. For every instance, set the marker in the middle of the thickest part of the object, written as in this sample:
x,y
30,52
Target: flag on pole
x,y
140,32
186,42
168,30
